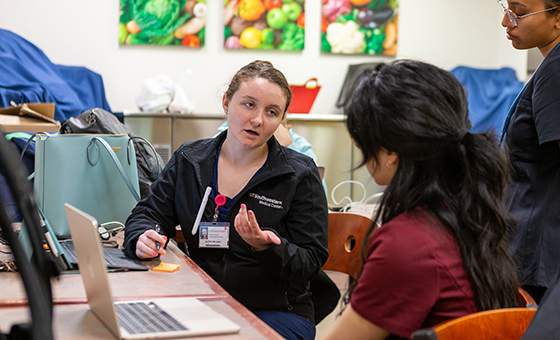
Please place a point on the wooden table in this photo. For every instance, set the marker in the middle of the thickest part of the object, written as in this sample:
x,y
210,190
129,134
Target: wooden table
x,y
189,280
74,320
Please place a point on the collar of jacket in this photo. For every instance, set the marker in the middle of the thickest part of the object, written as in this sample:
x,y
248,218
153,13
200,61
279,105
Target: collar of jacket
x,y
202,155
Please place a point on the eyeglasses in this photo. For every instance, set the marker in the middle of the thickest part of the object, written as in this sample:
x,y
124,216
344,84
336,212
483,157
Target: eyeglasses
x,y
513,18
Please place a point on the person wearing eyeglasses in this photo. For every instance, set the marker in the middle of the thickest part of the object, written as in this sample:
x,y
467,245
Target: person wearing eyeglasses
x,y
532,137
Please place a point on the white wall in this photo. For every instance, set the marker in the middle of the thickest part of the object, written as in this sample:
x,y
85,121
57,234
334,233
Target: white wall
x,y
447,33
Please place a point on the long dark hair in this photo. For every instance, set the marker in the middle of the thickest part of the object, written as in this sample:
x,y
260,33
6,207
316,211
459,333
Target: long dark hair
x,y
420,112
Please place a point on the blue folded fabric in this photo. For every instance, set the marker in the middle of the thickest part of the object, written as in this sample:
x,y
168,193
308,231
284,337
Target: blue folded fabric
x,y
490,94
87,85
28,76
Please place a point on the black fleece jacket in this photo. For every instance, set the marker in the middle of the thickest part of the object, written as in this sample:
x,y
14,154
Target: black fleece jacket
x,y
287,197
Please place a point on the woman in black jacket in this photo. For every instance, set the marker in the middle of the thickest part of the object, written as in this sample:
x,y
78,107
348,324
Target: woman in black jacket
x,y
268,238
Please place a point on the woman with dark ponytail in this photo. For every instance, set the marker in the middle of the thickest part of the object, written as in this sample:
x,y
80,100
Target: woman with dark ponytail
x,y
441,251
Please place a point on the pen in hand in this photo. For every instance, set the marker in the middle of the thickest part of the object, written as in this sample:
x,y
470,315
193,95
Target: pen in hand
x,y
158,230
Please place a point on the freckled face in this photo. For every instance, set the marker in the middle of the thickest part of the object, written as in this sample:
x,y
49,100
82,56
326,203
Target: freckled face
x,y
254,112
539,30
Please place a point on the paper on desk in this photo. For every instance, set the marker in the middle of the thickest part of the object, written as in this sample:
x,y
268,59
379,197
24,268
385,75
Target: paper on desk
x,y
166,267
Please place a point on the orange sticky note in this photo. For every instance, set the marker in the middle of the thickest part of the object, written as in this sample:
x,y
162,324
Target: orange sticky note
x,y
166,267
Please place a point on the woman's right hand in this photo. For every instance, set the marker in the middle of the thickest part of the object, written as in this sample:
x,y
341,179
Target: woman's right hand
x,y
146,246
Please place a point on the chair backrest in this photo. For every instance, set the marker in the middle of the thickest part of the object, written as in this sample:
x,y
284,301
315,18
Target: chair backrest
x,y
179,237
525,299
497,324
346,235
321,171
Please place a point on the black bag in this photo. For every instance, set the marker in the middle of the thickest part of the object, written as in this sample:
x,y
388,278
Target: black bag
x,y
95,120
98,120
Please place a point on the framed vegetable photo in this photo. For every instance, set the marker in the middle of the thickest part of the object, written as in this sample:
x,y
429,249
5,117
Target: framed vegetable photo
x,y
360,27
162,22
264,24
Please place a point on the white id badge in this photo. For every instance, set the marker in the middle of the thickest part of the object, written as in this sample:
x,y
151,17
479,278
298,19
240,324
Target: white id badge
x,y
213,235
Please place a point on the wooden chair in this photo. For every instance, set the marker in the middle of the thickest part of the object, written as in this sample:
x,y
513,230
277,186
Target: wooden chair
x,y
179,237
525,300
346,235
497,324
321,171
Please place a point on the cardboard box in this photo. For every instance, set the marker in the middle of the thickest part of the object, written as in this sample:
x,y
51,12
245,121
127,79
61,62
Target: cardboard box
x,y
30,117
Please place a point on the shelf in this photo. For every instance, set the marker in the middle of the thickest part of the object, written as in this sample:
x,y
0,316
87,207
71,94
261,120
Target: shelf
x,y
291,116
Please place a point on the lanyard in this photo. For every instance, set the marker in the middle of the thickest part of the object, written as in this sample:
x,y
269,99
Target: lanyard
x,y
516,101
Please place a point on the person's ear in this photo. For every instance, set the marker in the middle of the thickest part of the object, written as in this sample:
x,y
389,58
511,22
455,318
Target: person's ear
x,y
225,104
557,23
391,157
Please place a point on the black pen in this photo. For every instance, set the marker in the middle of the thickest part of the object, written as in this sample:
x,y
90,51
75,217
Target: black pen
x,y
158,230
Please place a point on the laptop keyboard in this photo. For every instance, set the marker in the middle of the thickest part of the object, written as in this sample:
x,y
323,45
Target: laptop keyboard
x,y
114,258
110,260
69,252
141,318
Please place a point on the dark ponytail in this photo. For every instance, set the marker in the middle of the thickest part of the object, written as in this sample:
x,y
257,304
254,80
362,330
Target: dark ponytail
x,y
420,112
484,221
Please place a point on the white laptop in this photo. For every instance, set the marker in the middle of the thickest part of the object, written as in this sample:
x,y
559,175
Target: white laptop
x,y
177,317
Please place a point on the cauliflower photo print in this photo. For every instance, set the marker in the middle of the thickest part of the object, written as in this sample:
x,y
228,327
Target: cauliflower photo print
x,y
162,22
359,27
264,24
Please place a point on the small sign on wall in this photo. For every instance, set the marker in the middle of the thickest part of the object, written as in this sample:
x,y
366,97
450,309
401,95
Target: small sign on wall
x,y
162,22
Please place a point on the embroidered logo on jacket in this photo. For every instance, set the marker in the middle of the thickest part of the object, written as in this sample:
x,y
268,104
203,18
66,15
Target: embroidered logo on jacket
x,y
269,202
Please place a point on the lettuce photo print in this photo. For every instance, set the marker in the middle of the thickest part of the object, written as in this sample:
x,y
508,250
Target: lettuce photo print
x,y
162,22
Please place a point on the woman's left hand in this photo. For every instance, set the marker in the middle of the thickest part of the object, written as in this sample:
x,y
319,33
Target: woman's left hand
x,y
248,228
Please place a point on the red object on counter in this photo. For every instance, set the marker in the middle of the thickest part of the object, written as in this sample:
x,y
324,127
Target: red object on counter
x,y
303,96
